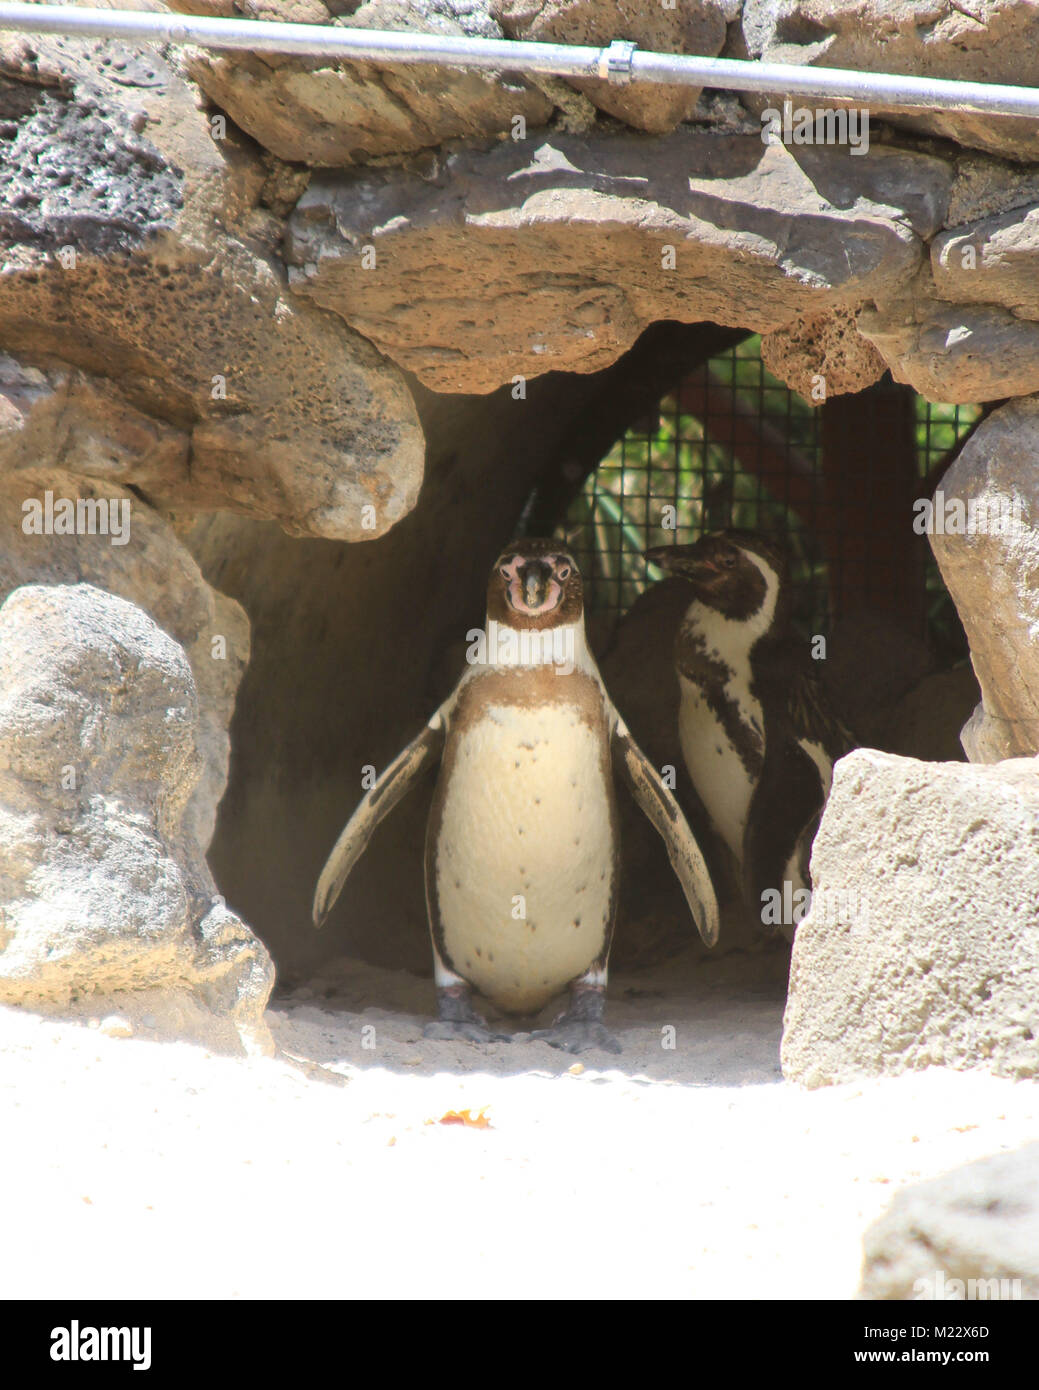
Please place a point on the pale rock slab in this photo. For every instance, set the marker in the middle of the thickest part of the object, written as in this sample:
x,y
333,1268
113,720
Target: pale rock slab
x,y
922,944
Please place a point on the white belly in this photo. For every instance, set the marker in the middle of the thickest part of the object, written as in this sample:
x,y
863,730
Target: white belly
x,y
718,773
525,852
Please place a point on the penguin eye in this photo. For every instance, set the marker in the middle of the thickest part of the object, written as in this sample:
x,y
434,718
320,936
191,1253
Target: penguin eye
x,y
728,558
563,572
503,570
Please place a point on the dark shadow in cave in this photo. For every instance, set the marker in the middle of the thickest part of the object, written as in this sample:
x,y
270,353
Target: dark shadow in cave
x,y
353,647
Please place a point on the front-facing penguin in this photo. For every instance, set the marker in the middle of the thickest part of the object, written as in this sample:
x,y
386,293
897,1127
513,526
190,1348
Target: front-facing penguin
x,y
522,855
757,737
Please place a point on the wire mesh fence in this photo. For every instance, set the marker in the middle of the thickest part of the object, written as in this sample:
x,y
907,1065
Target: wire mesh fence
x,y
734,446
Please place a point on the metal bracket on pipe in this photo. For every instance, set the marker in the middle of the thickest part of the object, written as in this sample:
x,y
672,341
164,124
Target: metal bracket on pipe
x,y
615,62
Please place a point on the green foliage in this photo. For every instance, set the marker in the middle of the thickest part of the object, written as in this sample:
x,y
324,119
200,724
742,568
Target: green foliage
x,y
674,467
939,428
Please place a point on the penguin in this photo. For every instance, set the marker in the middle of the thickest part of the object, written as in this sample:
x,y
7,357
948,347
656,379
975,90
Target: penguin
x,y
522,855
757,736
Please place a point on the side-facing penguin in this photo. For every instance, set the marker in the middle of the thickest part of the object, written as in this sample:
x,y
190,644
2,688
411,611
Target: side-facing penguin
x,y
522,855
757,737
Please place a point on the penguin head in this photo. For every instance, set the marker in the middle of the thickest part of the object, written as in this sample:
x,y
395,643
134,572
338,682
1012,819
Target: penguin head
x,y
535,583
734,572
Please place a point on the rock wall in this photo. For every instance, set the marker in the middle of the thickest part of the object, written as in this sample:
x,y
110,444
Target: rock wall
x,y
903,237
136,250
138,557
990,41
259,301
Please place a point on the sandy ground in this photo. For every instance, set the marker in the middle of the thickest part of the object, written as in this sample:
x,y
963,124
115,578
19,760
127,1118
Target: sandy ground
x,y
157,1170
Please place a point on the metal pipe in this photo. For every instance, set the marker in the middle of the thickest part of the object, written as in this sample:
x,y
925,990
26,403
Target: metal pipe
x,y
619,62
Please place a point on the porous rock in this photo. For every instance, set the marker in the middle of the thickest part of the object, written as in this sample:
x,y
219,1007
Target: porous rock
x,y
985,187
556,255
824,349
922,943
103,892
132,248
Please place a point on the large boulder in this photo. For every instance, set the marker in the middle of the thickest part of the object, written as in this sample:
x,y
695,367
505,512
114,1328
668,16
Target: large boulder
x,y
133,247
989,563
922,943
105,900
556,255
74,440
970,1234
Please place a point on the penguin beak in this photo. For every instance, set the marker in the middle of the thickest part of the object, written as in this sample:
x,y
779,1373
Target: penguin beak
x,y
683,560
534,577
659,555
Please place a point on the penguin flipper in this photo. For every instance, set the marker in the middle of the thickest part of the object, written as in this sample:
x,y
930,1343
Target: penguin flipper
x,y
376,803
791,778
665,815
806,705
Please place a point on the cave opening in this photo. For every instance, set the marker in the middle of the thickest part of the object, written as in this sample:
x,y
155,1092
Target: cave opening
x,y
355,645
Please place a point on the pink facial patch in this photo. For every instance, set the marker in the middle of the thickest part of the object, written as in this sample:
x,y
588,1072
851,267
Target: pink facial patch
x,y
522,586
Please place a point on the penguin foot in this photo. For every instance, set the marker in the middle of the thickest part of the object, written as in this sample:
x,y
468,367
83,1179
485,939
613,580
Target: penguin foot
x,y
467,1029
458,1018
578,1035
